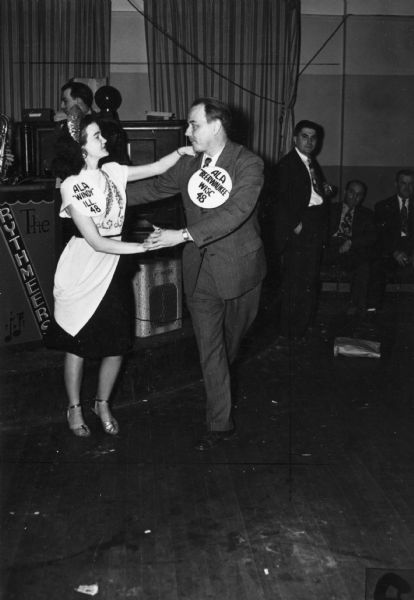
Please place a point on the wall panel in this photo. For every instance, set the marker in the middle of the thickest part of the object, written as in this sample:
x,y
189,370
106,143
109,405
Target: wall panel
x,y
129,65
361,89
379,120
319,99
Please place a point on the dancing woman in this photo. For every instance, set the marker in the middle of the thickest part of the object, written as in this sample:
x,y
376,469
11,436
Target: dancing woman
x,y
94,307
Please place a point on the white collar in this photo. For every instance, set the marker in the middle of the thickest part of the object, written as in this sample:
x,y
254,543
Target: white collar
x,y
214,157
401,201
304,157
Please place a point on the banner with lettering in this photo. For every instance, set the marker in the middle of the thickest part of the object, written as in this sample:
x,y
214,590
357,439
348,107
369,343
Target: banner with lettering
x,y
27,264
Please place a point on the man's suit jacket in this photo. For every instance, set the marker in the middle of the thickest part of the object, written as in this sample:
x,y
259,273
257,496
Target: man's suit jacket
x,y
363,228
388,222
293,190
228,235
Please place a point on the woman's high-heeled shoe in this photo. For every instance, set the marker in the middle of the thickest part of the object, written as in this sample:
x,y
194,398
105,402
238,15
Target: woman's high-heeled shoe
x,y
75,421
109,423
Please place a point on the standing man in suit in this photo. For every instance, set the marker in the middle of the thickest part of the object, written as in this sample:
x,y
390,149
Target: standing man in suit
x,y
223,256
352,235
394,218
301,224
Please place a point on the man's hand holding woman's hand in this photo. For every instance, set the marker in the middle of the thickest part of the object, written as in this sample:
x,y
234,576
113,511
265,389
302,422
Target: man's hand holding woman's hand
x,y
163,238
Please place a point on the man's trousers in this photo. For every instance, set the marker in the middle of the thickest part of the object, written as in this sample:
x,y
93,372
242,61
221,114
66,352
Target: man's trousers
x,y
219,325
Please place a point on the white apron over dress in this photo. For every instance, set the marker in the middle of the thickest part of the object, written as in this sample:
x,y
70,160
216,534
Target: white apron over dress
x,y
83,275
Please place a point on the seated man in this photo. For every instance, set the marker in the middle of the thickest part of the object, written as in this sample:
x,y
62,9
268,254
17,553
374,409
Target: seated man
x,y
351,238
394,218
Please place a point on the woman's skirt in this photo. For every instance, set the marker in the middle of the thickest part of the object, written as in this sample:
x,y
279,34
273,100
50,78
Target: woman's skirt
x,y
110,330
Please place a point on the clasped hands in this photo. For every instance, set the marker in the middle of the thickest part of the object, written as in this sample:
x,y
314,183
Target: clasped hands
x,y
163,238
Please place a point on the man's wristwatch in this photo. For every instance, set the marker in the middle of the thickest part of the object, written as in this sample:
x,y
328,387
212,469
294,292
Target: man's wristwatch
x,y
186,235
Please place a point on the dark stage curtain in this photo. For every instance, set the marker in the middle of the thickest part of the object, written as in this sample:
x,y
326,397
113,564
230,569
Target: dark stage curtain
x,y
46,42
243,52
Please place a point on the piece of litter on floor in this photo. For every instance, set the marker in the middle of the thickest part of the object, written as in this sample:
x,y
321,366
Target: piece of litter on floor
x,y
147,531
90,590
36,512
306,454
100,452
356,347
266,571
274,402
145,400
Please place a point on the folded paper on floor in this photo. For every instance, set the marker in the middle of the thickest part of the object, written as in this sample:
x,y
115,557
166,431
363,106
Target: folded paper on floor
x,y
355,347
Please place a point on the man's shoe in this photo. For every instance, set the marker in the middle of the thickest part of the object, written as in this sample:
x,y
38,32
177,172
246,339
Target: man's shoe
x,y
212,438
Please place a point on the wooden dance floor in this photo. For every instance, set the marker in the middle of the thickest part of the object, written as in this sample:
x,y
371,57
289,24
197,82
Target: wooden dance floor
x,y
313,500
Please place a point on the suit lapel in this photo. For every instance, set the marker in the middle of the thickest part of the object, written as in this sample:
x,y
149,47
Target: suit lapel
x,y
227,157
358,222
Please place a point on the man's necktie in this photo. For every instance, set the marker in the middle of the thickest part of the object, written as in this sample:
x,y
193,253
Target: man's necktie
x,y
207,161
404,218
316,182
345,227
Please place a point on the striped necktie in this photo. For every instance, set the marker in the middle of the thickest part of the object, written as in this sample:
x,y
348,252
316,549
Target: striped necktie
x,y
404,217
345,227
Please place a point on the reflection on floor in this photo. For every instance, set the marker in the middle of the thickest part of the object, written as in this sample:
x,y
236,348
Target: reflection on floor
x,y
316,490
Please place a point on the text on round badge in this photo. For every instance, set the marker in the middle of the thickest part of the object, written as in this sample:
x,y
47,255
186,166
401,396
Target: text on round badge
x,y
210,187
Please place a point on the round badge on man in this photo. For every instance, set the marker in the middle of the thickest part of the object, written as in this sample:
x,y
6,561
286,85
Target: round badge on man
x,y
210,187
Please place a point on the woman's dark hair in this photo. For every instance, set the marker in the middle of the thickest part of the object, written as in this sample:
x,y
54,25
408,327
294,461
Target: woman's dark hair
x,y
116,141
68,159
